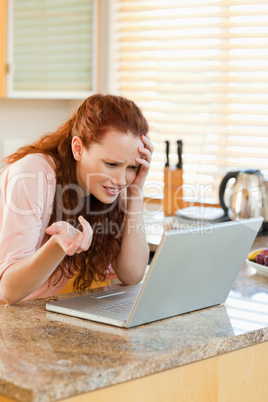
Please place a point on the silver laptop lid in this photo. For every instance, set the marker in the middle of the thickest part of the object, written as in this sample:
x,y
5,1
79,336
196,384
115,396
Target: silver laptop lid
x,y
193,269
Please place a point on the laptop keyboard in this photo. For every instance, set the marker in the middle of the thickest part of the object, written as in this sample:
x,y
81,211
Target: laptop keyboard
x,y
117,307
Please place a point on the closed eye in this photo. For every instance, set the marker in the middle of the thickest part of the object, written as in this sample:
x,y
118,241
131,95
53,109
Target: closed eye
x,y
114,164
133,167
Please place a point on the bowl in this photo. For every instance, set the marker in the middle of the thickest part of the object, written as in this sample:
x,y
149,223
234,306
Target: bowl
x,y
261,269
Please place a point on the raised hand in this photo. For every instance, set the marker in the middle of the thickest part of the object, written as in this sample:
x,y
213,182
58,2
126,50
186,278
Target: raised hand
x,y
70,239
145,159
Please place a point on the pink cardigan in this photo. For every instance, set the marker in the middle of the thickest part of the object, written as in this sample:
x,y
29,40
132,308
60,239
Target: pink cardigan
x,y
27,189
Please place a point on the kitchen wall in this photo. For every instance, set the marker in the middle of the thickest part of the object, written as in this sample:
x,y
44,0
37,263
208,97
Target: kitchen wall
x,y
24,120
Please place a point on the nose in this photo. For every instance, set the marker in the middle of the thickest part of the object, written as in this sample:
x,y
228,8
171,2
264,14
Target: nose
x,y
119,178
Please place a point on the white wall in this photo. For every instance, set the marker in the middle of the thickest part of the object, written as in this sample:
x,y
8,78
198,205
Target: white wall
x,y
23,121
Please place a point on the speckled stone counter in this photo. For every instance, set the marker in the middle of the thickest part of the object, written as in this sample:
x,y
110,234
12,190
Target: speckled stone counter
x,y
46,356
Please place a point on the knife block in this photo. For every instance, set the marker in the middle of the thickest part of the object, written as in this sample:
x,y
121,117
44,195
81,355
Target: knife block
x,y
173,191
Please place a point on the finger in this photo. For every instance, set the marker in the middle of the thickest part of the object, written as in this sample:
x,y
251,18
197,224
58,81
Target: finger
x,y
86,241
86,244
53,229
146,135
143,162
87,234
75,245
86,228
146,153
146,140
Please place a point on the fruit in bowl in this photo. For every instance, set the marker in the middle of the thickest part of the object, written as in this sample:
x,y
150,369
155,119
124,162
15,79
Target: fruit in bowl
x,y
258,259
259,256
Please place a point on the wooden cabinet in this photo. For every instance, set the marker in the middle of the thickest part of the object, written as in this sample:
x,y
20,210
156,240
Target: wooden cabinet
x,y
3,47
43,62
239,376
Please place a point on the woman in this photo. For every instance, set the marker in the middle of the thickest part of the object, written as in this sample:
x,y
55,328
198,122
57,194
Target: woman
x,y
91,172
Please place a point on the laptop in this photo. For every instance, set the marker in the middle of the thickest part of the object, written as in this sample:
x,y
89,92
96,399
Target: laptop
x,y
192,269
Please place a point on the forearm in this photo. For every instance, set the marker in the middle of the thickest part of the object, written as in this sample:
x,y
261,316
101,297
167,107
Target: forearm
x,y
133,257
27,275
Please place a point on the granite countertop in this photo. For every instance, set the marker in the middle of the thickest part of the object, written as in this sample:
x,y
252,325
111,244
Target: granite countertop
x,y
46,356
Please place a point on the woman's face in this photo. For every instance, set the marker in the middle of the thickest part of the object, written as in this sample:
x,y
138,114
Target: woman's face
x,y
105,169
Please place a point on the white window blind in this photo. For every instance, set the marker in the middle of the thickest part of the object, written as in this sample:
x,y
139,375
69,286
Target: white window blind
x,y
51,45
199,71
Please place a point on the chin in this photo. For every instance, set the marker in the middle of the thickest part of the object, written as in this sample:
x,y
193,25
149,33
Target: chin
x,y
110,201
107,200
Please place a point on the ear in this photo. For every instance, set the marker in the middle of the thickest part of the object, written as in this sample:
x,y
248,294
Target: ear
x,y
77,148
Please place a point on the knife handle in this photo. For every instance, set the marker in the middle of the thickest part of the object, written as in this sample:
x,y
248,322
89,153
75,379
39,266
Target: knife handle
x,y
179,150
167,153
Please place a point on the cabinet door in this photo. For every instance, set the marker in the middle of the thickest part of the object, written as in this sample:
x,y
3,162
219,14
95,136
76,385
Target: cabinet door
x,y
3,43
51,48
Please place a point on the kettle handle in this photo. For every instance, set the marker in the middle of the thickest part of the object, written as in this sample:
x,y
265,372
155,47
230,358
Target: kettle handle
x,y
227,177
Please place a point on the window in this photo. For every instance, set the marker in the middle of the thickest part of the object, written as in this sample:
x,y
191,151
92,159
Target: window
x,y
199,71
51,48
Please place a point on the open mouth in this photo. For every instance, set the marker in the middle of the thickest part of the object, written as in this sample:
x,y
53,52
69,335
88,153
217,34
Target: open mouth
x,y
113,190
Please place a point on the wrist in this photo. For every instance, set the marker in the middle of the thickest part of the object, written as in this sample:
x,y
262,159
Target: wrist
x,y
134,205
56,246
135,191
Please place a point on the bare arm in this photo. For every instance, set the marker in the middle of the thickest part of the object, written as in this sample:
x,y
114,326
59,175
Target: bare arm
x,y
132,259
27,275
134,253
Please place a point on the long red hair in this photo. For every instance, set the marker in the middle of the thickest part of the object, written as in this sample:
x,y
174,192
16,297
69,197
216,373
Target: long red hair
x,y
97,115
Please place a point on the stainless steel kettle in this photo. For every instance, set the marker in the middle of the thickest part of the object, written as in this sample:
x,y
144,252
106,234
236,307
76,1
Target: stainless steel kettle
x,y
248,196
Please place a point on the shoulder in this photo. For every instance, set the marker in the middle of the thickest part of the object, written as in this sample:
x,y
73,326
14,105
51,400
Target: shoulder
x,y
28,176
33,164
